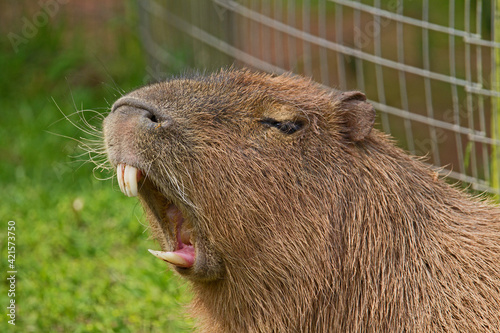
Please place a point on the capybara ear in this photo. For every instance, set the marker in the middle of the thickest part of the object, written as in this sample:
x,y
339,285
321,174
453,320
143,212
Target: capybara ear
x,y
358,115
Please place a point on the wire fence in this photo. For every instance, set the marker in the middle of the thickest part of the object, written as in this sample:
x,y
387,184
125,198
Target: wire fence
x,y
431,69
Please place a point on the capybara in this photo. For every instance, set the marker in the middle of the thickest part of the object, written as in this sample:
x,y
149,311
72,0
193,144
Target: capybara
x,y
288,212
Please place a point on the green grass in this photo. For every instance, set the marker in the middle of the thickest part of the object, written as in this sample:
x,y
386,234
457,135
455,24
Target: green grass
x,y
77,271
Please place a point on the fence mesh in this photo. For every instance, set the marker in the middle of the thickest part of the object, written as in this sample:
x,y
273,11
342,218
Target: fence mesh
x,y
431,69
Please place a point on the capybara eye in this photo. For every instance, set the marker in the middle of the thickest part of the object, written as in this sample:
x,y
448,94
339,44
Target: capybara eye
x,y
287,127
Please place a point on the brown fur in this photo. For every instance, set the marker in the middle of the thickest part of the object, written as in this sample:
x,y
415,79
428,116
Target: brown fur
x,y
329,229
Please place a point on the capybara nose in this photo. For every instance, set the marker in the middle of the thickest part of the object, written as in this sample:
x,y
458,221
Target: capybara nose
x,y
147,112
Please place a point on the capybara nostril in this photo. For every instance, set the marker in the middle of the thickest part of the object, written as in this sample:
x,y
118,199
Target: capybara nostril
x,y
135,107
153,118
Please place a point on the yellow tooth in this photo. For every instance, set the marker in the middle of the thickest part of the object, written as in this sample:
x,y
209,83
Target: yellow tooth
x,y
170,257
119,176
130,179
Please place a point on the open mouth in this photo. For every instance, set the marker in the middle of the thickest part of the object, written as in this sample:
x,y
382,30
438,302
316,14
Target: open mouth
x,y
184,253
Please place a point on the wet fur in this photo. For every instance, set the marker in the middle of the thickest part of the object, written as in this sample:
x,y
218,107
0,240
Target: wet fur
x,y
330,229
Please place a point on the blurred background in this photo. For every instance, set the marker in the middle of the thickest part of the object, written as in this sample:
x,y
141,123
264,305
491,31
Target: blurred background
x,y
430,69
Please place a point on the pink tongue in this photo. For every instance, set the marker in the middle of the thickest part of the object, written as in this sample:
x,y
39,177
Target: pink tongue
x,y
187,253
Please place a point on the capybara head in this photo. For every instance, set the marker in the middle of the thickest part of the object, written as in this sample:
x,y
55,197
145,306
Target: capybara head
x,y
289,213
